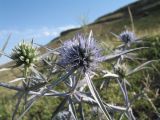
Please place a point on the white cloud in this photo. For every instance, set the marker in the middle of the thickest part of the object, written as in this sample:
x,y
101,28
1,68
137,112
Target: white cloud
x,y
36,33
46,33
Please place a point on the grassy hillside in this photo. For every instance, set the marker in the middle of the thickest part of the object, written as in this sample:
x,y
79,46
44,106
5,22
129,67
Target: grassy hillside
x,y
146,23
146,20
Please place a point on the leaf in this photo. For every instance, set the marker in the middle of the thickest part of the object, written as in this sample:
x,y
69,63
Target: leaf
x,y
80,109
38,73
29,104
111,75
60,107
17,105
85,97
72,109
2,53
88,99
9,86
26,110
128,111
17,79
6,42
142,66
4,69
97,97
50,51
102,84
55,83
113,56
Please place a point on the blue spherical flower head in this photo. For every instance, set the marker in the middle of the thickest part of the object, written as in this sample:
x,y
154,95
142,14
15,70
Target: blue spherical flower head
x,y
127,37
80,52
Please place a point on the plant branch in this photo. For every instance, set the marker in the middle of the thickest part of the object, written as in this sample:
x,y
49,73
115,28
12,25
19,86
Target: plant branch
x,y
6,85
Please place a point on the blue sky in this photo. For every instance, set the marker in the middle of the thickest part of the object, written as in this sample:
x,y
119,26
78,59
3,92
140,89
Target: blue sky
x,y
43,20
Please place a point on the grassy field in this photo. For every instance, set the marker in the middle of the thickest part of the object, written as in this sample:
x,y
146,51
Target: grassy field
x,y
146,25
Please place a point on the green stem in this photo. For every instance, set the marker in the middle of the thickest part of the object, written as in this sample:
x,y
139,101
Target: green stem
x,y
25,73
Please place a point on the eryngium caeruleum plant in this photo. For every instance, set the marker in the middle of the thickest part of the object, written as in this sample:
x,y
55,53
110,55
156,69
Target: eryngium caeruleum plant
x,y
80,52
75,70
127,37
24,54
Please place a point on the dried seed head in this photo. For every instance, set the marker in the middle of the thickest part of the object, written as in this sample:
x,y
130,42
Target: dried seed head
x,y
80,52
24,54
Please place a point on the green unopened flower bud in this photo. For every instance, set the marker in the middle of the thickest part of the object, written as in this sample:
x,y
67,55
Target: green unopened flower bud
x,y
121,69
24,54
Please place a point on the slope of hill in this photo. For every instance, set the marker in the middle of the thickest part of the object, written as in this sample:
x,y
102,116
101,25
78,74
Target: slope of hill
x,y
145,15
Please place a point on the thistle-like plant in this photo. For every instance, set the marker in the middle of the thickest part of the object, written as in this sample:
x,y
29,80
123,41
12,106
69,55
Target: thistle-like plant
x,y
79,59
127,37
25,54
80,52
